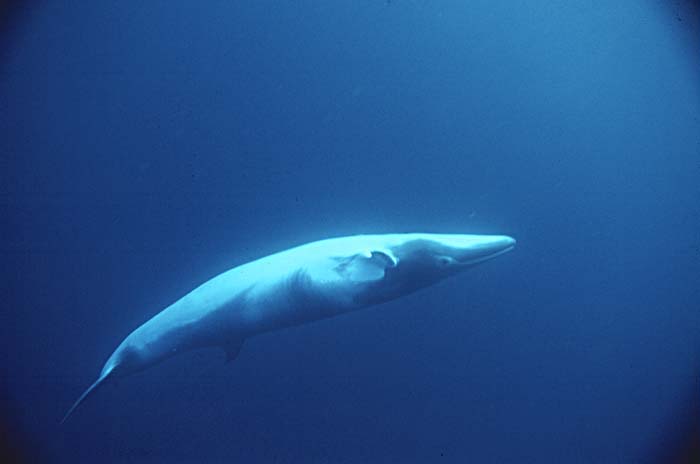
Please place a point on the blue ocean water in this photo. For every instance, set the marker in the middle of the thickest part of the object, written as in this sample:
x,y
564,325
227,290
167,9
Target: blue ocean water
x,y
146,147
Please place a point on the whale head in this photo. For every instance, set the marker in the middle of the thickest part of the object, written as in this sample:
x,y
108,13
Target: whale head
x,y
436,256
380,268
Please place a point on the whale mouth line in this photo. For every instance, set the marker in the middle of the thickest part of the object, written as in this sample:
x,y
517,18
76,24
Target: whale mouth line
x,y
485,257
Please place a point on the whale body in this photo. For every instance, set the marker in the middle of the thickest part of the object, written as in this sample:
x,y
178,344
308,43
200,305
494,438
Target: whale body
x,y
310,282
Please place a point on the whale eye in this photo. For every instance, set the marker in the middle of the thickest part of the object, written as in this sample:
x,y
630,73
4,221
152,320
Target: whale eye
x,y
444,261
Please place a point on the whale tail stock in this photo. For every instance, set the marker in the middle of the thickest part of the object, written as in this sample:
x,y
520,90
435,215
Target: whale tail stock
x,y
98,383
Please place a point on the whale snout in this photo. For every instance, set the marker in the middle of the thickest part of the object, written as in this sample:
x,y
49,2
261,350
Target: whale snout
x,y
498,243
478,248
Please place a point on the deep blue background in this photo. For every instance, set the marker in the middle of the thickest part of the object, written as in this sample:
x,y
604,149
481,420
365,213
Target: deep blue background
x,y
145,148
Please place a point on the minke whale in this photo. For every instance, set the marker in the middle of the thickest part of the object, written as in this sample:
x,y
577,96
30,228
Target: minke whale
x,y
303,284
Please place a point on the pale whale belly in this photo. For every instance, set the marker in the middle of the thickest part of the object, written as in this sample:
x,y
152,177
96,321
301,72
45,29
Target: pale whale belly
x,y
228,308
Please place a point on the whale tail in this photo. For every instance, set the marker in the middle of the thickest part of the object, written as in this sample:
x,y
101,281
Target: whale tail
x,y
98,383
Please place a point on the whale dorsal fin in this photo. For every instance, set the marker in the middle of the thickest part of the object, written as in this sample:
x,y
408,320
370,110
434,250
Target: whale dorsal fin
x,y
366,267
232,350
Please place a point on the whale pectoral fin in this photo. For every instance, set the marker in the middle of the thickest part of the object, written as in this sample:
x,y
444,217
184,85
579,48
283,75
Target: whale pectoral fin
x,y
232,351
366,268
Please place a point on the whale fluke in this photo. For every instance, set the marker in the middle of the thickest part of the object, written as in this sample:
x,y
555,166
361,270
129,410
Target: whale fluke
x,y
99,382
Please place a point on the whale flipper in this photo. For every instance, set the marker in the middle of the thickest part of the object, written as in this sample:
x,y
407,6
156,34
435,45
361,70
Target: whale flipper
x,y
99,382
366,267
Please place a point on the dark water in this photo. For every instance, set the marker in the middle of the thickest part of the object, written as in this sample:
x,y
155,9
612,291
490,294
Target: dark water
x,y
147,147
